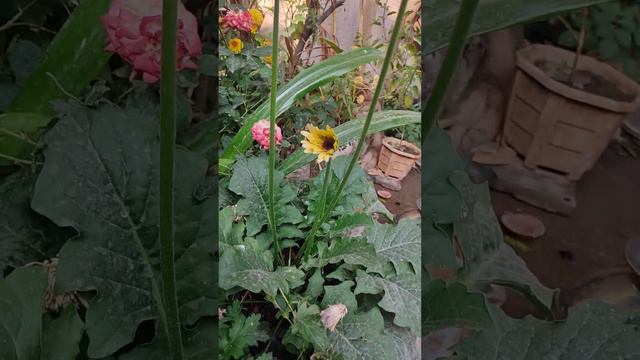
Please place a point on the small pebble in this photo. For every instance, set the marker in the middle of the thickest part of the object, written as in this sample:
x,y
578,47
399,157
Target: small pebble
x,y
374,172
384,194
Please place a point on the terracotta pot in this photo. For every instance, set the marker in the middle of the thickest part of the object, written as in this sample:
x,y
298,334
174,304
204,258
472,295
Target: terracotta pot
x,y
555,126
394,162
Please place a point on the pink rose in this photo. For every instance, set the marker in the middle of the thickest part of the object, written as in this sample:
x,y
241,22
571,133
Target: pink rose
x,y
260,132
134,31
239,20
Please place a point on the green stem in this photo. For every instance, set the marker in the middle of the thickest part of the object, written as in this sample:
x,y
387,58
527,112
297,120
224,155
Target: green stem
x,y
310,241
272,130
431,110
372,108
169,303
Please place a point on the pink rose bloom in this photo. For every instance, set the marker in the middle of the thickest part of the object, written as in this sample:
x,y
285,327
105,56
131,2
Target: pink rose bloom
x,y
134,31
239,20
260,132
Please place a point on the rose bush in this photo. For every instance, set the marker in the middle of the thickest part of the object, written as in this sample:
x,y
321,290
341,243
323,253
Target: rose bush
x,y
134,31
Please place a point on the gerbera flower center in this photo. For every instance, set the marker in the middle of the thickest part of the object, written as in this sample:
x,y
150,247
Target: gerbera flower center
x,y
327,143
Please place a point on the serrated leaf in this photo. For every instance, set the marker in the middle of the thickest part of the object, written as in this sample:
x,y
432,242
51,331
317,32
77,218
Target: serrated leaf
x,y
250,267
355,251
106,188
21,297
401,296
591,331
250,180
397,243
406,344
361,336
238,332
340,294
307,325
445,305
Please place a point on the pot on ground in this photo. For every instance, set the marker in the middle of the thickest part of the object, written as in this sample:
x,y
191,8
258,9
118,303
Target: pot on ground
x,y
397,157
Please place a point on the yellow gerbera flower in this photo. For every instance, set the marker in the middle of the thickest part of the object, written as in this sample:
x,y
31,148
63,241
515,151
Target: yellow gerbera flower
x,y
257,17
321,142
267,59
235,45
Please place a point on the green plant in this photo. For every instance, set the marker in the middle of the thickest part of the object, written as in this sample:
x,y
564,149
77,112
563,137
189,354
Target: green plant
x,y
611,34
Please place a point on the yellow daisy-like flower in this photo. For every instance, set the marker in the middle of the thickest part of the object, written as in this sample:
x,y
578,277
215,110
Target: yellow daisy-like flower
x,y
321,142
235,45
267,59
360,99
257,17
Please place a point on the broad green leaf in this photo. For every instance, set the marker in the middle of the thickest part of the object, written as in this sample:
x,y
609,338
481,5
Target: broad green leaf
x,y
21,297
463,210
361,336
25,236
350,250
306,81
197,343
106,188
61,335
23,57
440,16
350,130
74,58
314,289
229,233
250,180
248,266
445,305
591,331
19,132
397,243
407,346
401,297
340,294
307,325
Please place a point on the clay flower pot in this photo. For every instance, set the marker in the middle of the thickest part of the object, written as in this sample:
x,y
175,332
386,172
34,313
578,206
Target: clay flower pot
x,y
397,157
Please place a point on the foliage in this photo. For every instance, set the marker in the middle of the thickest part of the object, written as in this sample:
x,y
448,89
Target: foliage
x,y
611,34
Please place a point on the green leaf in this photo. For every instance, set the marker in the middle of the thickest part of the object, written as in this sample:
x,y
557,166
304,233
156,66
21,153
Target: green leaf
x,y
355,251
608,49
250,267
306,81
451,305
106,188
229,233
197,343
25,236
314,289
440,15
307,324
340,294
208,65
397,243
250,180
21,297
61,335
463,210
401,296
591,331
74,58
18,134
406,345
238,332
361,336
381,121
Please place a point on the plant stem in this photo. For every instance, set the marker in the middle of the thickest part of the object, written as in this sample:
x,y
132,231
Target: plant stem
x,y
310,241
372,108
169,303
272,130
431,110
583,32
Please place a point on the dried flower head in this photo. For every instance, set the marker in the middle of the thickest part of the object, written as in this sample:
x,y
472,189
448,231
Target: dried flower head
x,y
332,315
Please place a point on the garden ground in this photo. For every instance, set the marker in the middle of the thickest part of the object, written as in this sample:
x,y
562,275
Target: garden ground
x,y
593,238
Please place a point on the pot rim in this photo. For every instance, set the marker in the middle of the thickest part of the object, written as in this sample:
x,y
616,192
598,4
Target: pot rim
x,y
387,140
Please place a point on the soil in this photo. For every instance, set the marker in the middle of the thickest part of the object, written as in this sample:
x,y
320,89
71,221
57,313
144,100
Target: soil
x,y
403,203
584,80
404,148
590,241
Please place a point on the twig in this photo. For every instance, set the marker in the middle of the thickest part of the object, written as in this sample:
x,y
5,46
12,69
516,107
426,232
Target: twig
x,y
570,28
12,22
583,31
